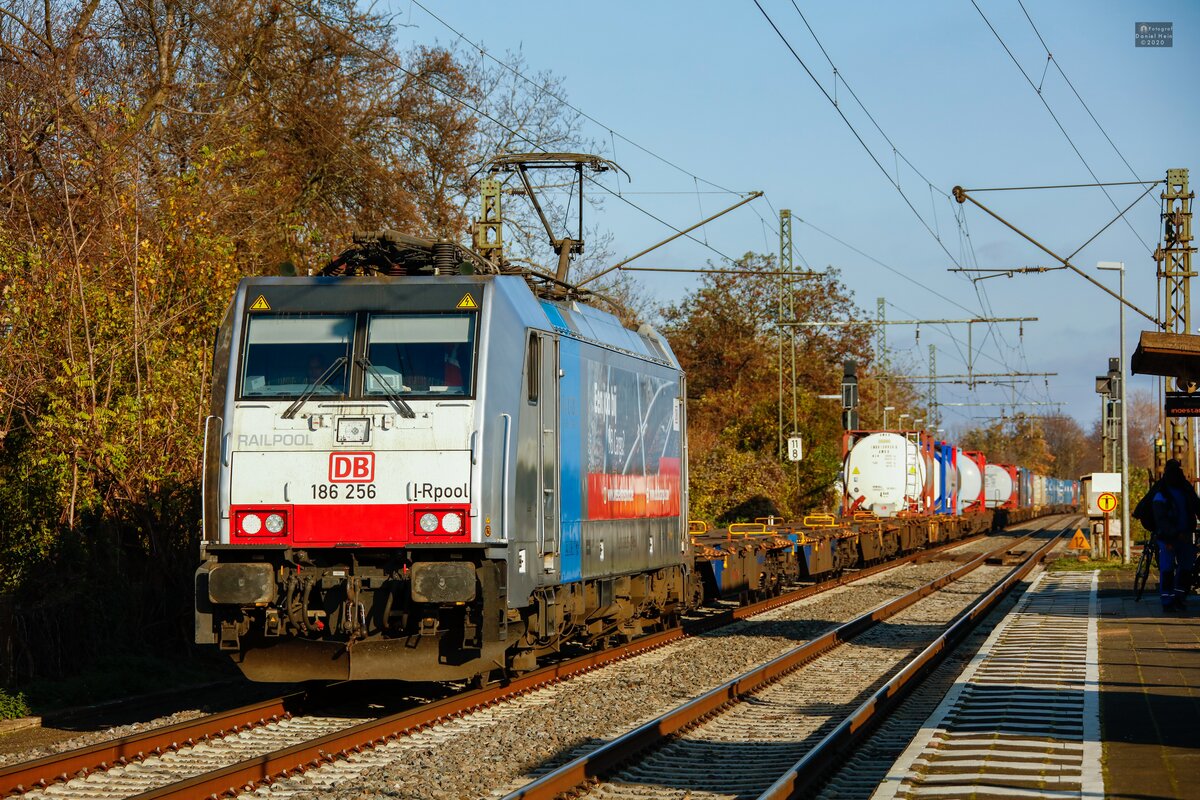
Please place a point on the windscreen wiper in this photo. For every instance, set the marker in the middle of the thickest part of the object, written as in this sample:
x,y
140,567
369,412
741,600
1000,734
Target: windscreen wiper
x,y
311,389
402,408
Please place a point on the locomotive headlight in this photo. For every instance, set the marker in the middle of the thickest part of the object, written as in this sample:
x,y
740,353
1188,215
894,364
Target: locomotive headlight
x,y
274,523
452,523
252,523
429,522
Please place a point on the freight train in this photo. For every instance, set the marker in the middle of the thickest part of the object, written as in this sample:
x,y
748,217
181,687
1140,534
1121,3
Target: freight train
x,y
420,467
903,491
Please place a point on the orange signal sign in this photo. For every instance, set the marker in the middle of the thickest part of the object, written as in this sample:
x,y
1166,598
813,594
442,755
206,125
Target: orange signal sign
x,y
1079,541
1106,502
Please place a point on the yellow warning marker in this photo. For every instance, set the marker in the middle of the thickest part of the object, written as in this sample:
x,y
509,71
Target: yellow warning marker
x,y
1079,541
260,304
1106,502
854,471
467,302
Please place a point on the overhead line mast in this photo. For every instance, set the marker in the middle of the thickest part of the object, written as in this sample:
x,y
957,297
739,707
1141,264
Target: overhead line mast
x,y
786,298
1175,272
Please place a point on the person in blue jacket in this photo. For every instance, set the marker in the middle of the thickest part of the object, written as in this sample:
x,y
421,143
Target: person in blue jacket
x,y
1176,508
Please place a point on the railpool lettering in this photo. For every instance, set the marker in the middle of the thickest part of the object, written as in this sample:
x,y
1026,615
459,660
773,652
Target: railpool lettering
x,y
274,440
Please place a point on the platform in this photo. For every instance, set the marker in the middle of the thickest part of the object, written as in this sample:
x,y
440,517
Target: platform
x,y
1149,693
1079,692
1022,720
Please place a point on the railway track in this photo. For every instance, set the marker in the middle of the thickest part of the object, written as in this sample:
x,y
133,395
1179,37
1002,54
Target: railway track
x,y
278,741
1023,718
768,732
1044,725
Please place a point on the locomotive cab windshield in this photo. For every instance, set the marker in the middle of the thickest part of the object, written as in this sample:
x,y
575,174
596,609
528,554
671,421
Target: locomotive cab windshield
x,y
286,356
410,355
420,354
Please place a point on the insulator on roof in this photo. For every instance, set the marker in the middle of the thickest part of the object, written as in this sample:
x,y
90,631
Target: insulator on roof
x,y
445,261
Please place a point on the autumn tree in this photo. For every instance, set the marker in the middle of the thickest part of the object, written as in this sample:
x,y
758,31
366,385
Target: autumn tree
x,y
153,153
1067,442
1020,439
725,335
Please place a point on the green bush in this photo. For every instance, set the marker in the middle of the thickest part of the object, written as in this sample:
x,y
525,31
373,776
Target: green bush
x,y
13,706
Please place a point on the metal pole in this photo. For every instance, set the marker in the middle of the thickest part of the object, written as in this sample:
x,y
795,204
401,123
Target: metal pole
x,y
1125,499
785,219
1122,400
676,235
961,196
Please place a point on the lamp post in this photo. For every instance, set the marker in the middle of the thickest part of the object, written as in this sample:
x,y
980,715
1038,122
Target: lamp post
x,y
902,418
885,410
1119,266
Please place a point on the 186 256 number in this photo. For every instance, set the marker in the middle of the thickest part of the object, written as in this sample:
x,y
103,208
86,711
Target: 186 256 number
x,y
350,491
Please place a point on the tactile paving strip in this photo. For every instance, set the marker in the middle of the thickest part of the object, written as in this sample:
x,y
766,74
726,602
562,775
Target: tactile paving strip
x,y
1023,718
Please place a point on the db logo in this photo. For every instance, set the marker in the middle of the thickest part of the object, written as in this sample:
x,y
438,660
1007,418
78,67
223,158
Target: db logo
x,y
351,467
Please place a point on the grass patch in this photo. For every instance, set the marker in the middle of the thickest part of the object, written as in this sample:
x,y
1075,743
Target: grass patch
x,y
119,677
1072,564
13,705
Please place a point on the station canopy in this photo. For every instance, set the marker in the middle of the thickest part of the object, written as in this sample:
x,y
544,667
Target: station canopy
x,y
1169,354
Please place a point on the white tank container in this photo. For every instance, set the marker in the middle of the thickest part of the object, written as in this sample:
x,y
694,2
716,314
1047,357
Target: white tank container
x,y
970,482
885,470
998,486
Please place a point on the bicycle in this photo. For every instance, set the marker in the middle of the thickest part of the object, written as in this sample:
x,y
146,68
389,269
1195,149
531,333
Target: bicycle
x,y
1145,565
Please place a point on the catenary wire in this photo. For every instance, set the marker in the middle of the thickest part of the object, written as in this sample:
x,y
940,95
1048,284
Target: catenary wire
x,y
476,109
853,130
613,133
897,153
576,109
1058,66
484,114
1054,116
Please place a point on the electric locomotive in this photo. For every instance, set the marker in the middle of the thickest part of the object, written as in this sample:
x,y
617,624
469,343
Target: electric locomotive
x,y
433,470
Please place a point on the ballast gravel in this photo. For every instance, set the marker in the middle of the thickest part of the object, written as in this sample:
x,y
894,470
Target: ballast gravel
x,y
495,750
48,741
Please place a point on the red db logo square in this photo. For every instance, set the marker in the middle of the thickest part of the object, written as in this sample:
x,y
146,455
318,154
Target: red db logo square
x,y
351,467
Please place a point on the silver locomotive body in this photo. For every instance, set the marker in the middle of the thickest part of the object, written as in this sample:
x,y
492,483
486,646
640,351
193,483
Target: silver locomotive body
x,y
431,478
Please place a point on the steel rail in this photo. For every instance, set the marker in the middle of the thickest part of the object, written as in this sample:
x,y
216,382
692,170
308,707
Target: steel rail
x,y
816,763
41,772
61,767
608,757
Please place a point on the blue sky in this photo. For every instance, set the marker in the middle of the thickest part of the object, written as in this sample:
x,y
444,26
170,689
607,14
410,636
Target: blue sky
x,y
711,87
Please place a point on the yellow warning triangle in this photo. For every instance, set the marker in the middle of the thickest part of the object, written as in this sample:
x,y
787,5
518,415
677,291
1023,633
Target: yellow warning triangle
x,y
1079,541
467,302
854,471
260,304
